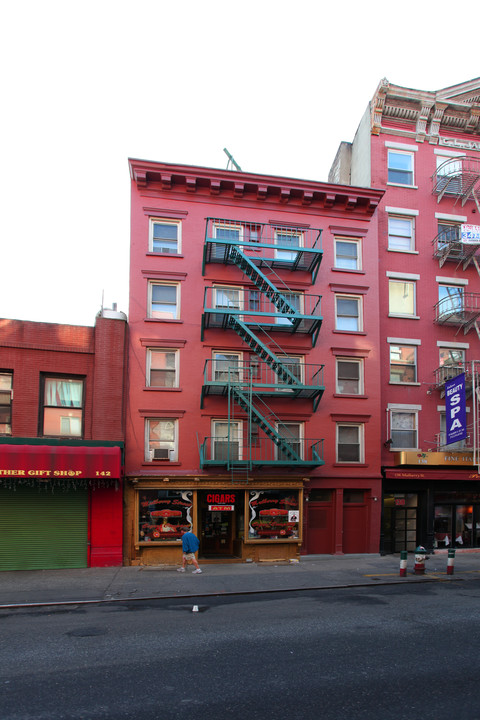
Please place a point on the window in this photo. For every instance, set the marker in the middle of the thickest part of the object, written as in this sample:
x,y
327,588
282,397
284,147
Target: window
x,y
62,412
401,234
400,167
273,514
451,363
349,377
292,434
401,297
404,431
449,174
448,233
227,439
347,254
161,441
162,368
163,301
6,392
228,298
226,367
349,443
163,515
165,237
442,439
451,298
230,233
295,365
287,238
403,364
348,313
295,300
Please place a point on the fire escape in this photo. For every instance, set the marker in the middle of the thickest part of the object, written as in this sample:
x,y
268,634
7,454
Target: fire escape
x,y
459,178
259,310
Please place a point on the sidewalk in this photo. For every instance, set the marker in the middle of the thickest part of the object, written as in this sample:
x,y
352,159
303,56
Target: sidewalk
x,y
25,587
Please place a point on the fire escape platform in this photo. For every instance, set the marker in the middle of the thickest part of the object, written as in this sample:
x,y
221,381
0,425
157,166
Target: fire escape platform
x,y
461,312
458,177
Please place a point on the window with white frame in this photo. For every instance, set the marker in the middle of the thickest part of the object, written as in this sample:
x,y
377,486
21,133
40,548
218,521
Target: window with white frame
x,y
403,363
401,233
348,253
6,394
401,296
442,438
400,167
62,407
295,300
165,237
349,376
164,301
161,439
404,428
226,440
451,362
226,366
449,173
348,313
295,365
162,368
448,233
287,238
227,232
349,442
228,298
291,434
451,298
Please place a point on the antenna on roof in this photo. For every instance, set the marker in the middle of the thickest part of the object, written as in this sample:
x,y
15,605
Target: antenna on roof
x,y
231,161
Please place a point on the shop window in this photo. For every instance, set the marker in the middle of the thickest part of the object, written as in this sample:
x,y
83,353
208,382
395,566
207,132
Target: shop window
x,y
165,237
349,376
163,515
347,254
400,167
273,515
401,234
6,395
163,301
348,315
162,370
403,364
349,443
62,410
161,441
401,297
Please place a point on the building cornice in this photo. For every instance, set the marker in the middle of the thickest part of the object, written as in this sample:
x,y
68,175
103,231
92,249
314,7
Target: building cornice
x,y
165,178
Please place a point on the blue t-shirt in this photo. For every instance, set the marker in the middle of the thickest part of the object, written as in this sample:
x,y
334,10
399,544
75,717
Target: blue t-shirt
x,y
190,543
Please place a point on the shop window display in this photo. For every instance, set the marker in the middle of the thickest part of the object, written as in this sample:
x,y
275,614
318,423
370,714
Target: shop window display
x,y
273,515
163,515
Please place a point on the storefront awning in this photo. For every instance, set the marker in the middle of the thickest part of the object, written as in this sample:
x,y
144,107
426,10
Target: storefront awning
x,y
50,462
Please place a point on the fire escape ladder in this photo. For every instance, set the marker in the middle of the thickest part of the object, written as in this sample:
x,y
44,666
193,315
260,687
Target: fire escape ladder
x,y
254,415
264,284
263,352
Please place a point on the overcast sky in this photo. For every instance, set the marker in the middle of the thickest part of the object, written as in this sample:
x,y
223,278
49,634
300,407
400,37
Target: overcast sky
x,y
87,85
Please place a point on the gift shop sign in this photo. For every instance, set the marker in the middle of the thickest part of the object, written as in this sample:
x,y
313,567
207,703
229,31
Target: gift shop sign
x,y
47,462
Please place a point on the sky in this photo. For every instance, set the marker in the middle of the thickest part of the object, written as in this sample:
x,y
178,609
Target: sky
x,y
87,85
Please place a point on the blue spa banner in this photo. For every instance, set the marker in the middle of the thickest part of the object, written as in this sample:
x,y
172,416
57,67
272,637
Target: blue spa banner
x,y
456,414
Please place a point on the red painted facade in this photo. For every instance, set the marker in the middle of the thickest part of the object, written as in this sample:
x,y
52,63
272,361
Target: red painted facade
x,y
340,505
30,354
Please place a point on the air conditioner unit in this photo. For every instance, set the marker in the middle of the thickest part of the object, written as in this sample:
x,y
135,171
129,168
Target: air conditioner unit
x,y
161,454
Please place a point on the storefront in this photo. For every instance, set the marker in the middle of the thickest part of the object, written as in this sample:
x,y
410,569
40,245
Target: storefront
x,y
60,505
259,521
431,499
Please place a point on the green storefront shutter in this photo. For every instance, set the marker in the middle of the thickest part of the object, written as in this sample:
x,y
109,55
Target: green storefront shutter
x,y
41,529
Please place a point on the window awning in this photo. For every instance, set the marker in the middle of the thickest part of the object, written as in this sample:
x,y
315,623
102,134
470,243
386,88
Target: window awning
x,y
48,462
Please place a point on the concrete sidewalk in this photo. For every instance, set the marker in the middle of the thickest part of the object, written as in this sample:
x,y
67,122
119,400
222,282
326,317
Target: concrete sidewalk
x,y
25,587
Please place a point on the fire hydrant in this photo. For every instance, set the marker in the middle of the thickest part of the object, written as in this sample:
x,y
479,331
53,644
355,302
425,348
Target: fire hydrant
x,y
420,554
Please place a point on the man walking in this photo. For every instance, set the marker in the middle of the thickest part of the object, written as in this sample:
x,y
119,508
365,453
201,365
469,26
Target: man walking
x,y
190,545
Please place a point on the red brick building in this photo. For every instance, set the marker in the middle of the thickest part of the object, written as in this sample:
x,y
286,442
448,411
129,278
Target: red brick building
x,y
253,411
61,443
424,148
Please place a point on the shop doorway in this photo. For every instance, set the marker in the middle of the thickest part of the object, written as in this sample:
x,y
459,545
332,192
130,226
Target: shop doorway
x,y
400,522
221,521
320,522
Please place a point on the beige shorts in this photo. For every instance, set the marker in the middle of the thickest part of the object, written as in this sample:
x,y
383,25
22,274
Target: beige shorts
x,y
189,556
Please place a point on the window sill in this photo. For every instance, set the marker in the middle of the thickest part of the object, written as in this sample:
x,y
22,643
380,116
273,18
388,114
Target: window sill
x,y
164,320
349,396
401,185
348,270
404,317
409,384
150,253
154,388
350,332
160,463
349,464
405,252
